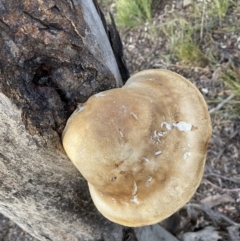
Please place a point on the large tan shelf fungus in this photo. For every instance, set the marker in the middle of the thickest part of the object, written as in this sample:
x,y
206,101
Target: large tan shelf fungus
x,y
142,147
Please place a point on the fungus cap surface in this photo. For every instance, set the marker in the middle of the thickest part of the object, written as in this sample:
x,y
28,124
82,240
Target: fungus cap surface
x,y
142,147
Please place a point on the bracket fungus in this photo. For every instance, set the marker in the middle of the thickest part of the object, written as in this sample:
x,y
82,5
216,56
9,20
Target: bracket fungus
x,y
141,148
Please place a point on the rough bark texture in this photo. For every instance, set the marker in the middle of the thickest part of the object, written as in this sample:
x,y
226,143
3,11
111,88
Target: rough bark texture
x,y
53,55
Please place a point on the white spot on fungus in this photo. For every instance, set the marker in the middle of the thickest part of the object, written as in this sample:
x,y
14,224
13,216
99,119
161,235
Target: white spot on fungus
x,y
186,155
149,180
157,153
99,95
168,126
145,159
174,184
156,136
79,109
183,126
135,188
124,203
113,200
134,199
161,133
113,178
121,134
134,115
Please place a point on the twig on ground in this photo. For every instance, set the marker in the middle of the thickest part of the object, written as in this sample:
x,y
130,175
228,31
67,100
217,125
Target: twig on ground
x,y
214,215
220,188
226,144
236,180
215,200
220,105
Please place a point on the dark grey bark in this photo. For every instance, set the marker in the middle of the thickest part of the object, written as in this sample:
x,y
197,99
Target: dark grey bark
x,y
53,55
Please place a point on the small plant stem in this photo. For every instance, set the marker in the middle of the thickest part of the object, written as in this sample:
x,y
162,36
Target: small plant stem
x,y
220,105
203,17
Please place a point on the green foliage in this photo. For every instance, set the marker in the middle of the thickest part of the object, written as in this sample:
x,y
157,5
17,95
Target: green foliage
x,y
132,13
221,7
231,78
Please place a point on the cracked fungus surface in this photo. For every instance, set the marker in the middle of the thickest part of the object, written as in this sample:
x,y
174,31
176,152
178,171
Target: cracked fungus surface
x,y
142,147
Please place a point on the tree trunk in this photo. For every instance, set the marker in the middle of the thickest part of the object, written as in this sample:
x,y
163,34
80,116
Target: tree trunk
x,y
53,55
